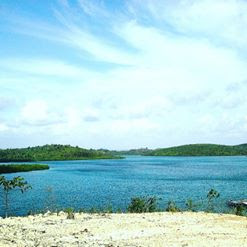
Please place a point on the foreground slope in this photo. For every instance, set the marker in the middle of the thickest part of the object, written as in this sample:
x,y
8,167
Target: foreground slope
x,y
151,229
51,152
201,150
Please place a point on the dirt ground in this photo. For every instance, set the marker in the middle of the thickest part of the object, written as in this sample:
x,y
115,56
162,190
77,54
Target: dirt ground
x,y
151,229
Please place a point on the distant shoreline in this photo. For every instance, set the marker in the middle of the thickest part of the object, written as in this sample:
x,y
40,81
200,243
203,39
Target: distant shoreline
x,y
58,152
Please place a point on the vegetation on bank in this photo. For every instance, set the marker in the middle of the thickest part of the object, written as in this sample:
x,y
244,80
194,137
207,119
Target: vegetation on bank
x,y
200,150
67,152
139,151
150,205
22,168
16,183
136,205
52,152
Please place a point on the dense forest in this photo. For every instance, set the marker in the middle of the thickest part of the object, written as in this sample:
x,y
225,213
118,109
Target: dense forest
x,y
139,151
201,150
67,152
52,152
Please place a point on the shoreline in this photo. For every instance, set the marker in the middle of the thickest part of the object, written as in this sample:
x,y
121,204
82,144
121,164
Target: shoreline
x,y
125,229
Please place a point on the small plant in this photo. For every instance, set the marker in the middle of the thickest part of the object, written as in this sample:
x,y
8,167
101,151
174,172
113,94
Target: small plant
x,y
142,205
172,207
212,196
70,213
190,205
93,210
119,211
240,210
9,185
108,210
81,210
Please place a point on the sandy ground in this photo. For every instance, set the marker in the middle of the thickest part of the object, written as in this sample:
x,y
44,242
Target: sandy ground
x,y
155,229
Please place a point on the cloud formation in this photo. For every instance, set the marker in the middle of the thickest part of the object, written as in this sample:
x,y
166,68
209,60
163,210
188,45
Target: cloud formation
x,y
143,73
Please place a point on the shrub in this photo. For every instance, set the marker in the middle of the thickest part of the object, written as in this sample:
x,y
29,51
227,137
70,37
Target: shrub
x,y
70,213
212,196
142,205
190,205
93,210
172,207
108,209
240,210
119,211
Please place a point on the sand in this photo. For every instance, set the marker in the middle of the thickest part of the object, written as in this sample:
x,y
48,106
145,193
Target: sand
x,y
151,229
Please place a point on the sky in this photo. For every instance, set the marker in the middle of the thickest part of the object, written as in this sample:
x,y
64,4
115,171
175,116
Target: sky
x,y
123,74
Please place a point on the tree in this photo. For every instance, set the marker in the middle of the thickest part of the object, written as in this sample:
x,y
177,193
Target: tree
x,y
8,185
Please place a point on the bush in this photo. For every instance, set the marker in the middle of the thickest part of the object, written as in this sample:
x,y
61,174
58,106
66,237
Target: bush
x,y
172,207
190,205
108,209
142,205
212,196
70,213
240,210
93,210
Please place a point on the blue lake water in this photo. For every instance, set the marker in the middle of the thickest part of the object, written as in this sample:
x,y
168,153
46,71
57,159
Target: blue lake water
x,y
99,183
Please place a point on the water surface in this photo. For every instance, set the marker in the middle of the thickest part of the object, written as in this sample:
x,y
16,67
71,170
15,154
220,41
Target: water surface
x,y
100,183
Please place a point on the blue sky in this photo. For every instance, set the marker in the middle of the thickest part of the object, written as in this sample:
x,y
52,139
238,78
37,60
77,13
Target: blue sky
x,y
122,74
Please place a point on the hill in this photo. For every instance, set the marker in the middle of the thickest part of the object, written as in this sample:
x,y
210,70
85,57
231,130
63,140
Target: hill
x,y
201,150
139,151
52,152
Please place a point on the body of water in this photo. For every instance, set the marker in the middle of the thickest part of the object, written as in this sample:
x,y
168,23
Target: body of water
x,y
100,183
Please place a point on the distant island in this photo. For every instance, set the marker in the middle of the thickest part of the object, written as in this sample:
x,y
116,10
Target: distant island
x,y
67,152
53,152
11,168
189,150
200,150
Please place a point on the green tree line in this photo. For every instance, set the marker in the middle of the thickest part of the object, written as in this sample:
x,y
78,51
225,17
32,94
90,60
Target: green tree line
x,y
52,152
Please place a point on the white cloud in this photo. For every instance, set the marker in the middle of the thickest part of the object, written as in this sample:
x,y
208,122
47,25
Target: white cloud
x,y
3,127
220,21
37,113
43,67
181,77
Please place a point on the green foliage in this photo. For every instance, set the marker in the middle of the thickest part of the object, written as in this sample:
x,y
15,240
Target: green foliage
x,y
52,152
172,207
139,151
93,210
190,205
70,213
240,210
22,168
9,185
201,150
212,196
119,211
142,205
108,210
